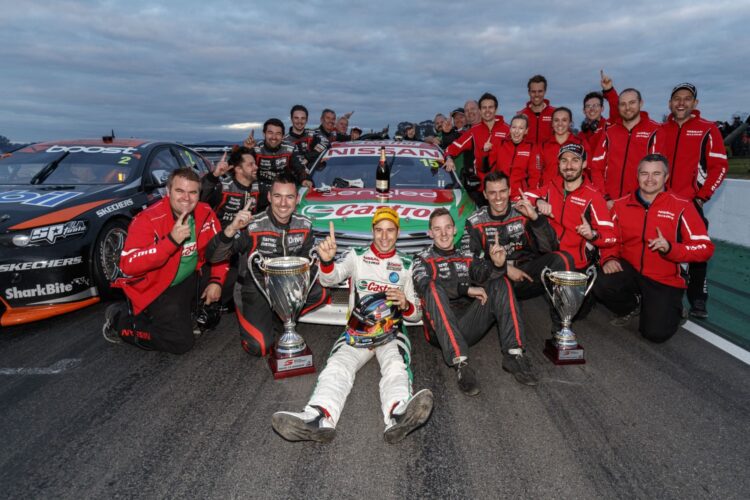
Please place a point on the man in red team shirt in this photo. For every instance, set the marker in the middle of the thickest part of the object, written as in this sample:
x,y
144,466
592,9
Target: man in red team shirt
x,y
593,106
480,139
620,149
656,231
698,164
538,110
576,210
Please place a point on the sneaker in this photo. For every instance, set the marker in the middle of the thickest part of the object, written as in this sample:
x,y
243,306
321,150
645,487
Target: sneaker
x,y
309,425
519,366
408,416
698,309
467,379
111,317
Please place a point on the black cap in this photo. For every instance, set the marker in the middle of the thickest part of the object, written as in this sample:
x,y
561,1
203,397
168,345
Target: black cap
x,y
574,148
687,86
457,110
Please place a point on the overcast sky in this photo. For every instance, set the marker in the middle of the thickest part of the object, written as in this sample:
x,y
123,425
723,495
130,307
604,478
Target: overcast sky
x,y
189,70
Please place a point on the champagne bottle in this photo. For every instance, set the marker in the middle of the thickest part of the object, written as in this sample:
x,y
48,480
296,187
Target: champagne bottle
x,y
383,174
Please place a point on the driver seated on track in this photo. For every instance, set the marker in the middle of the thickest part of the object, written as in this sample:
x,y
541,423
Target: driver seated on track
x,y
382,292
162,259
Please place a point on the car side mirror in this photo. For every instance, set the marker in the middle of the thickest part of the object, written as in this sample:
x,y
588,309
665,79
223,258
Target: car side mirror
x,y
157,179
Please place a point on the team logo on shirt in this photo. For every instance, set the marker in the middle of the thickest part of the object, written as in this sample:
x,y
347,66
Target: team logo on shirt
x,y
393,277
189,249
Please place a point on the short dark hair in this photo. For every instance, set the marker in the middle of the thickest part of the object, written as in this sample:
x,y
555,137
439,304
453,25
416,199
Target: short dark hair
x,y
326,111
185,173
235,157
495,176
655,157
439,212
298,107
487,96
284,178
536,79
594,95
275,122
564,110
631,89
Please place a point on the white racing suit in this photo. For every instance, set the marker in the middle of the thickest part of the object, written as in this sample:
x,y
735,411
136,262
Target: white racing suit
x,y
368,271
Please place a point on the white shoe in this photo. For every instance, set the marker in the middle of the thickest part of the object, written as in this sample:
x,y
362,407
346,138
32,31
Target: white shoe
x,y
309,425
408,416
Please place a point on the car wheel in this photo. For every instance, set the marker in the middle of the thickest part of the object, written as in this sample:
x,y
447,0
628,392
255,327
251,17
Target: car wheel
x,y
106,258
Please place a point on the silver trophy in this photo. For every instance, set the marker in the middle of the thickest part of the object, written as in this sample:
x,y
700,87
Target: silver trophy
x,y
286,286
569,289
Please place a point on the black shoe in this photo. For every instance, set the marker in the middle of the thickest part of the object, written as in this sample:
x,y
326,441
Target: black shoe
x,y
519,366
111,318
467,379
698,309
408,416
309,425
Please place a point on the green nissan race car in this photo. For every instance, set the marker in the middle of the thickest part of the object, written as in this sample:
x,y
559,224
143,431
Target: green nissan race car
x,y
344,179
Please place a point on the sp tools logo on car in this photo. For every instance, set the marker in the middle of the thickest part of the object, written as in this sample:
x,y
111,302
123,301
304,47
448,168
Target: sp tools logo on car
x,y
58,231
365,210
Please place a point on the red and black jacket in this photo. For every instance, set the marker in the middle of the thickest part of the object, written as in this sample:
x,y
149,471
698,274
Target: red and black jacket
x,y
520,162
592,135
474,140
548,152
696,154
614,166
150,258
226,196
679,223
567,209
540,124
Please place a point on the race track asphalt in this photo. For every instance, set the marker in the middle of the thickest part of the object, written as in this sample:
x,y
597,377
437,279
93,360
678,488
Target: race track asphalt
x,y
82,418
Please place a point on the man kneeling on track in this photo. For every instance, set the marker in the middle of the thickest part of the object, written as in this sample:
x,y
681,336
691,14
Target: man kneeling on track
x,y
382,276
657,230
461,302
274,232
162,258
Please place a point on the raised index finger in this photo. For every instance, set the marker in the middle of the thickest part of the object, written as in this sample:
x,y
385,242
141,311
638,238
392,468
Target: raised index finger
x,y
331,230
247,205
601,73
224,157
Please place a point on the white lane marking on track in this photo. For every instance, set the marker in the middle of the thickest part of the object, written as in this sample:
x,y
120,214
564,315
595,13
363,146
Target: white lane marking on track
x,y
720,342
53,369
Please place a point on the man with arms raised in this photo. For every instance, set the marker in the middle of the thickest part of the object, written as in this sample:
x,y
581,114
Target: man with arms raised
x,y
275,232
656,231
162,258
593,106
621,146
380,276
698,164
461,303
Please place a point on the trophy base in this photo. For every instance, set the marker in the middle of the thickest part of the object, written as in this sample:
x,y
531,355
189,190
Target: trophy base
x,y
291,366
563,356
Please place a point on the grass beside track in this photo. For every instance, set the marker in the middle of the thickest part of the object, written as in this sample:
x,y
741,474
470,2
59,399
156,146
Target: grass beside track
x,y
739,168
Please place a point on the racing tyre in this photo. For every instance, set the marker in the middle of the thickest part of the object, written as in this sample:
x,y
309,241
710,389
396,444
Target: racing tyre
x,y
106,257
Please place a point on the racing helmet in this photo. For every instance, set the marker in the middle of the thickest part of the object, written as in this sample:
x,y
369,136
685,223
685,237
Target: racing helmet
x,y
374,321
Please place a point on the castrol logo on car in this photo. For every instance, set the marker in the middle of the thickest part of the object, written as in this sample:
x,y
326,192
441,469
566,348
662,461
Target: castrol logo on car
x,y
365,210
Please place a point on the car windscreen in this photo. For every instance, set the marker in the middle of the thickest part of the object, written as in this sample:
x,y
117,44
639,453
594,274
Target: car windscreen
x,y
65,167
359,171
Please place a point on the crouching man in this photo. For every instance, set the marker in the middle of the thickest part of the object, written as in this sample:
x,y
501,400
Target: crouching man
x,y
162,258
657,230
461,303
373,330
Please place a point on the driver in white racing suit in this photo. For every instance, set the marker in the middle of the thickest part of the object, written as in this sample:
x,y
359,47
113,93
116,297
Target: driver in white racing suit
x,y
379,268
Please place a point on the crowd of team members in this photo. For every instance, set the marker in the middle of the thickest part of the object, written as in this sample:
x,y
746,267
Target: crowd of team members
x,y
625,195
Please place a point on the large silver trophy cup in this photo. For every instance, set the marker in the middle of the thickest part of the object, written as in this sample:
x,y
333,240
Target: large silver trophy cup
x,y
286,284
569,289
